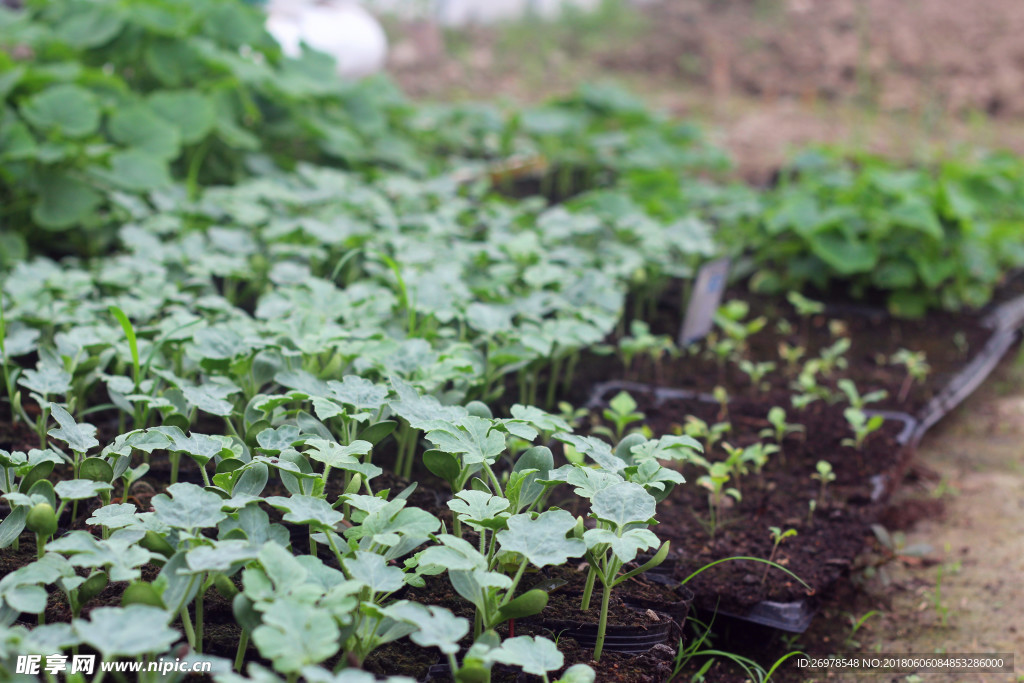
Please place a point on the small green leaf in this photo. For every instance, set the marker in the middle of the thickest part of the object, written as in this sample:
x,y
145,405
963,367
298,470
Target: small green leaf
x,y
526,605
443,465
533,654
79,437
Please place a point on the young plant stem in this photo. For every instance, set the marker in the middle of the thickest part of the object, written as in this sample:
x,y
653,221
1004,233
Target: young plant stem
x,y
186,625
588,590
570,372
243,644
198,647
553,379
602,625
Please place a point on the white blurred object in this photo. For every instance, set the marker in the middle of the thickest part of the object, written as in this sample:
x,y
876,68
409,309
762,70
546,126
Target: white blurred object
x,y
341,28
458,13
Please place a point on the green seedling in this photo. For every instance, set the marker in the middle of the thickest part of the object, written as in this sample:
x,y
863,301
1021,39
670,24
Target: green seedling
x,y
791,355
833,358
722,398
623,512
807,387
722,350
42,521
757,372
862,426
825,476
758,454
812,505
856,625
854,397
778,536
571,415
641,342
714,481
622,413
780,429
804,307
730,317
917,370
699,429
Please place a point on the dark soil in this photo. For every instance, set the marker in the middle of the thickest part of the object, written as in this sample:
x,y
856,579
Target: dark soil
x,y
822,552
949,342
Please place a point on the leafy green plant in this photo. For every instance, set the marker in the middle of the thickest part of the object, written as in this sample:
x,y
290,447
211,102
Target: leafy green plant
x,y
854,397
862,426
623,512
778,536
757,372
917,368
866,224
825,476
715,480
621,412
780,429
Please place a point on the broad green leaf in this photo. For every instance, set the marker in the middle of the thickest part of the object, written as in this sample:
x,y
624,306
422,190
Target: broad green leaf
x,y
127,631
480,510
598,450
90,26
334,454
220,557
65,108
543,540
191,112
359,393
438,627
373,571
306,510
63,201
79,437
454,553
473,437
625,546
114,516
135,170
13,525
80,489
533,654
46,380
294,635
623,504
190,508
444,465
274,441
846,255
120,554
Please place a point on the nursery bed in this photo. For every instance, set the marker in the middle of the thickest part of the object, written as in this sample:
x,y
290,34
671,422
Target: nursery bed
x,y
821,553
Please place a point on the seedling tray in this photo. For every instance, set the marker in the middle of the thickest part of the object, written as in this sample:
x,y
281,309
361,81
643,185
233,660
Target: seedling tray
x,y
864,485
962,350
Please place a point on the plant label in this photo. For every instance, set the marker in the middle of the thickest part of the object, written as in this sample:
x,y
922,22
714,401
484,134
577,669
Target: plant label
x,y
705,299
